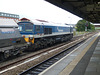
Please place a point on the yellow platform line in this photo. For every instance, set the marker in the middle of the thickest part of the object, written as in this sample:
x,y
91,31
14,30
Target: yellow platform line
x,y
72,65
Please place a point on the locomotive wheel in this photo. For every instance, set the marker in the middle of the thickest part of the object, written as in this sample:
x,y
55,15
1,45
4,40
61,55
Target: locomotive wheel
x,y
44,44
62,40
6,54
51,42
2,57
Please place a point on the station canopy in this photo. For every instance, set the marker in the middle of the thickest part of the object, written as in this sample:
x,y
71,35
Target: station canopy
x,y
86,9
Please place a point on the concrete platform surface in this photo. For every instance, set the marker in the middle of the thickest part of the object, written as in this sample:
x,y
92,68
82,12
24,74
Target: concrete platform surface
x,y
84,60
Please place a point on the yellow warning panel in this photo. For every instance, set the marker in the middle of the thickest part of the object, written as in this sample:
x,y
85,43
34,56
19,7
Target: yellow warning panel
x,y
33,41
26,39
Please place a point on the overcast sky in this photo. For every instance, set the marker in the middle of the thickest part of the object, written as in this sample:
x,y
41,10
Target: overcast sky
x,y
37,9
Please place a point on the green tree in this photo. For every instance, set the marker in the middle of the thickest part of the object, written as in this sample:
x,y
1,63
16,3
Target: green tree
x,y
92,27
82,24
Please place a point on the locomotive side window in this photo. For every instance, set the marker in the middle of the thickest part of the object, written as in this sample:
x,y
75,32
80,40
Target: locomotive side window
x,y
50,30
28,27
37,28
21,27
47,30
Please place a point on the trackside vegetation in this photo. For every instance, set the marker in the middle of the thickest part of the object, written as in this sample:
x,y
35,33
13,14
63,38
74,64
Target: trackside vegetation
x,y
83,25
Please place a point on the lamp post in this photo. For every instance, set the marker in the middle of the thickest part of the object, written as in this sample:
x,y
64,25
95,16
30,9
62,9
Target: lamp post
x,y
86,25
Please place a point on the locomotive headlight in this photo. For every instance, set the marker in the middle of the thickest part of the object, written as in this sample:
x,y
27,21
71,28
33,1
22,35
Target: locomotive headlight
x,y
24,36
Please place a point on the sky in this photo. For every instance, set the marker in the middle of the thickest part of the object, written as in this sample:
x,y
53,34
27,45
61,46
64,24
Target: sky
x,y
38,9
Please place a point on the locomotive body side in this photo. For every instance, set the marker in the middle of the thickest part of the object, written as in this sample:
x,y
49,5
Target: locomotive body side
x,y
46,30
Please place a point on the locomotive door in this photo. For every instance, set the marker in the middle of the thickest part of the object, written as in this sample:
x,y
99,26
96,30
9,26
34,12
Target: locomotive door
x,y
42,30
39,30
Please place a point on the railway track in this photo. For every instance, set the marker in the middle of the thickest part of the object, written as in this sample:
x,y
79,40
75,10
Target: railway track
x,y
33,55
35,70
3,68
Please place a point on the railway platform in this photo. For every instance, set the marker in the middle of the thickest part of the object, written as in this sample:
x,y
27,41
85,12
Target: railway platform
x,y
84,60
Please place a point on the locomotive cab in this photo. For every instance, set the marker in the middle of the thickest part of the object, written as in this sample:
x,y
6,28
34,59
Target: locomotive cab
x,y
26,28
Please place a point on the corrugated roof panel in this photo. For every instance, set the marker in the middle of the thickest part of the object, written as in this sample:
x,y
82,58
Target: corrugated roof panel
x,y
8,23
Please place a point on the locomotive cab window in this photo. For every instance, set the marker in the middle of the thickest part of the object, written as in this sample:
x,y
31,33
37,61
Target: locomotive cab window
x,y
20,28
37,28
29,27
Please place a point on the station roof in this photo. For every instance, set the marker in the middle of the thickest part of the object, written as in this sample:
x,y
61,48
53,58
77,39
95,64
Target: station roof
x,y
86,9
8,23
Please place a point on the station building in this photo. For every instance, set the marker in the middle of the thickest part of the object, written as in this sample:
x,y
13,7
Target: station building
x,y
97,26
9,16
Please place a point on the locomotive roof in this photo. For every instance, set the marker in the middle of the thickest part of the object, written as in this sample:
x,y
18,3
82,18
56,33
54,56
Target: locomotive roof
x,y
39,22
8,23
36,22
48,23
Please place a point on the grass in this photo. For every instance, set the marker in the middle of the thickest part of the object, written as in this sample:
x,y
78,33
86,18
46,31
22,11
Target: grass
x,y
76,33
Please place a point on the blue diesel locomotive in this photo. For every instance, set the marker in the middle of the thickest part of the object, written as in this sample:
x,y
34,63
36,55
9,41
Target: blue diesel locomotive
x,y
41,34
